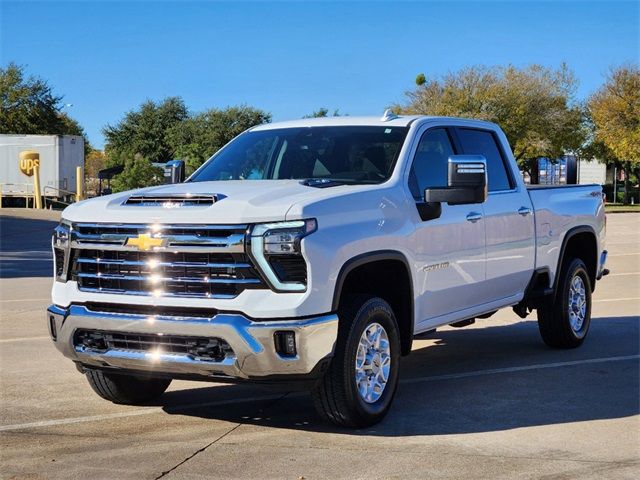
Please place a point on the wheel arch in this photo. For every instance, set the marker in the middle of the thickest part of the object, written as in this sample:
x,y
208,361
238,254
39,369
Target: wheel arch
x,y
399,295
580,242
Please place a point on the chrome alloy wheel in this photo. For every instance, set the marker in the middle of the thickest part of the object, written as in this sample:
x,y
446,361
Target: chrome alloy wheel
x,y
577,303
373,363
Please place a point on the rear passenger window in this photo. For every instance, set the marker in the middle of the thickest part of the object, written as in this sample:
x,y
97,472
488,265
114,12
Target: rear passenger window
x,y
430,165
482,142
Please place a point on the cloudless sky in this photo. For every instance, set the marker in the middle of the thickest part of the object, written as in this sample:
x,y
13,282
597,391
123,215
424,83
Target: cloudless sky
x,y
291,58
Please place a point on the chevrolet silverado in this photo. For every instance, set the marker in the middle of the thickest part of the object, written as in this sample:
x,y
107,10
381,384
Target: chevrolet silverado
x,y
313,251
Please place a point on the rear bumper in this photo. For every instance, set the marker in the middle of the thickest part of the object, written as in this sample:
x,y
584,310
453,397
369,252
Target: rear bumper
x,y
254,353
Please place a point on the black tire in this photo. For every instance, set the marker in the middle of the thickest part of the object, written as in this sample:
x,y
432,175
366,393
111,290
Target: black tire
x,y
336,396
554,319
126,389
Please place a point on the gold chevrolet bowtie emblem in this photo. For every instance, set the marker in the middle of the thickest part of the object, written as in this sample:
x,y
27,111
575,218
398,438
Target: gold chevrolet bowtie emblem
x,y
144,241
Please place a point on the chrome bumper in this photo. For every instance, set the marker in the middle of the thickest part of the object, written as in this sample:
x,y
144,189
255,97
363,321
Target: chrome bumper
x,y
254,352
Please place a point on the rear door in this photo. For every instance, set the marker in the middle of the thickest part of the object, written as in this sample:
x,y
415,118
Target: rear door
x,y
449,250
508,216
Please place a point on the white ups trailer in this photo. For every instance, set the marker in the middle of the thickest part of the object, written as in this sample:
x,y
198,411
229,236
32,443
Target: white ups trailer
x,y
57,155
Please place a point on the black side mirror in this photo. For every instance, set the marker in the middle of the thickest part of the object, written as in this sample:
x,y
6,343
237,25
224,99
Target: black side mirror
x,y
466,183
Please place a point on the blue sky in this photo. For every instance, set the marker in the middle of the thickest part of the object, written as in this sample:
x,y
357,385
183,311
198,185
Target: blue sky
x,y
291,58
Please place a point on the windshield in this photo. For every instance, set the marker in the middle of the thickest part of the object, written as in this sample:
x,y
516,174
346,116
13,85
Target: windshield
x,y
343,154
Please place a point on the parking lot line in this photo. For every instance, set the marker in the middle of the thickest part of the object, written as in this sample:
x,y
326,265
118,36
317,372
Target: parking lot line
x,y
132,413
152,410
616,299
523,368
23,339
26,300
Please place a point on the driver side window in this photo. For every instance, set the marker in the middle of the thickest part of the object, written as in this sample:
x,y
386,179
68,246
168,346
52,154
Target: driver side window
x,y
430,164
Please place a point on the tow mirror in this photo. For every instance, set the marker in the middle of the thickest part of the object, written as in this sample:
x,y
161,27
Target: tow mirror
x,y
466,182
174,171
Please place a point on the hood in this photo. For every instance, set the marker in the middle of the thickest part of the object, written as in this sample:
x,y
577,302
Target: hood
x,y
238,202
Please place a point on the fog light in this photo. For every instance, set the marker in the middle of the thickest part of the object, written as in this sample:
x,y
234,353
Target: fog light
x,y
285,342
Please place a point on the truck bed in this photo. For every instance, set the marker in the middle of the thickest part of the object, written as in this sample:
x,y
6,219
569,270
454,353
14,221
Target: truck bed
x,y
560,208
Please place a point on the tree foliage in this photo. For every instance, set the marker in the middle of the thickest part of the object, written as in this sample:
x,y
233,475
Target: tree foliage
x,y
322,113
615,109
29,106
94,162
138,172
200,136
143,132
615,112
533,105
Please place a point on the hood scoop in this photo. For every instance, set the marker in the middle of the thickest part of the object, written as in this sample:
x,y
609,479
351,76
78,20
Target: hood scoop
x,y
172,201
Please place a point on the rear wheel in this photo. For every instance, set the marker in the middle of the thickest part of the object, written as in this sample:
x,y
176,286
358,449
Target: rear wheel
x,y
126,389
564,319
359,386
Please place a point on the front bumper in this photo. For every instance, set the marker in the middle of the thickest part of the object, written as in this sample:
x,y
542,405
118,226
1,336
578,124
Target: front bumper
x,y
254,353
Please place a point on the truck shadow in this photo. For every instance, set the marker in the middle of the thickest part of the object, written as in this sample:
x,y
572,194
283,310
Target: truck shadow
x,y
25,247
497,378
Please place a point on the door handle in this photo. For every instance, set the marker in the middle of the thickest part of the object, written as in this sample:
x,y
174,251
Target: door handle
x,y
524,211
473,217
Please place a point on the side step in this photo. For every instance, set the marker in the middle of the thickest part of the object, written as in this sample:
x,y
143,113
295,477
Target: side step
x,y
463,323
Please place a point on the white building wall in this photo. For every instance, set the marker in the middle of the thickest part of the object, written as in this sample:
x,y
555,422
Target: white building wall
x,y
592,171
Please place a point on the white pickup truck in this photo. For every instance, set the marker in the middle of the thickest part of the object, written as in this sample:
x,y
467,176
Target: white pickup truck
x,y
314,251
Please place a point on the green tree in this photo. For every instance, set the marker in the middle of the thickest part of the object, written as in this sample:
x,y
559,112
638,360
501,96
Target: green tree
x,y
141,138
535,106
138,172
322,112
29,106
143,132
615,110
197,138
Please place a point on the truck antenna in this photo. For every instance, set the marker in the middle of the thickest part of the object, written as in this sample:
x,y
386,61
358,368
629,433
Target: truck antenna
x,y
388,115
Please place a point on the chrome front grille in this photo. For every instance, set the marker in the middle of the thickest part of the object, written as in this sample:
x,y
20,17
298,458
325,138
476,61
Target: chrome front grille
x,y
184,260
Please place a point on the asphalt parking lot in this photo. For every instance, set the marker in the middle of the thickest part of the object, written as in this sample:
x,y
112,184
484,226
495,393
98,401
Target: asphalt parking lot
x,y
486,401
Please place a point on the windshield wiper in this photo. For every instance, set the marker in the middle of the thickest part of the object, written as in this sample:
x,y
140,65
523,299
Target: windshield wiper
x,y
334,182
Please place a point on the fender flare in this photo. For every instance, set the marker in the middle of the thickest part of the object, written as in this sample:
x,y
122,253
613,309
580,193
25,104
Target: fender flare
x,y
565,241
371,257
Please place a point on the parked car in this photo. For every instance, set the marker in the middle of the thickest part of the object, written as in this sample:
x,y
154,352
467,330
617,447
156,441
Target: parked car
x,y
314,251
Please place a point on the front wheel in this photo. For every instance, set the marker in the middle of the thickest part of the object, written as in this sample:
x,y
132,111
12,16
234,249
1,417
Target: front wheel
x,y
126,389
565,318
359,386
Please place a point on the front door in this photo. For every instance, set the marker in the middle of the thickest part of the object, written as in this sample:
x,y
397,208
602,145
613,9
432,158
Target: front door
x,y
449,250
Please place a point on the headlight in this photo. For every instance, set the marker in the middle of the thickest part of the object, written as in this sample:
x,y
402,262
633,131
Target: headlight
x,y
61,243
276,248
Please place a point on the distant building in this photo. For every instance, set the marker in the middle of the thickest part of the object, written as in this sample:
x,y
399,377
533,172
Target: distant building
x,y
568,170
56,156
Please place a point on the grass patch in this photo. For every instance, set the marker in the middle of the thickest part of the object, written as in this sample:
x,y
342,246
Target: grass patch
x,y
617,208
